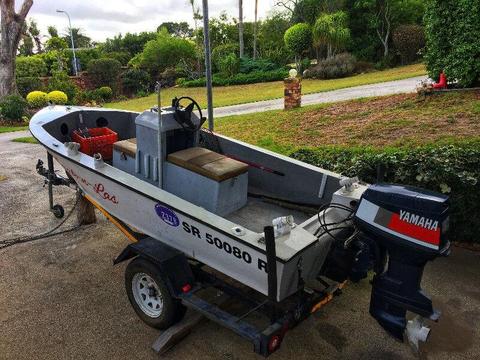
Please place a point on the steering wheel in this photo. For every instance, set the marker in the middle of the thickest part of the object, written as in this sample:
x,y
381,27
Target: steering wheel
x,y
183,115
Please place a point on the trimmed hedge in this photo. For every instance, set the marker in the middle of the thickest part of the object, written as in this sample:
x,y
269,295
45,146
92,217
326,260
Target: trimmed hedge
x,y
57,97
453,40
37,99
239,79
452,169
30,66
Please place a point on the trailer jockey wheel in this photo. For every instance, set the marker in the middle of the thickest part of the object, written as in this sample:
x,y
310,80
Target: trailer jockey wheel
x,y
149,295
58,211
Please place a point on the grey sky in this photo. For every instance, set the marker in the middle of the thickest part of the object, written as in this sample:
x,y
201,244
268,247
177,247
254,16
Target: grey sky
x,y
100,19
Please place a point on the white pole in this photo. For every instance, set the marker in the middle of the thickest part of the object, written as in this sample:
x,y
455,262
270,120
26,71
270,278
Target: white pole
x,y
208,65
71,39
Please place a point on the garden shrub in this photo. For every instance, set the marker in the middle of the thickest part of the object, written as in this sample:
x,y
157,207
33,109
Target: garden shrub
x,y
135,80
298,38
30,66
239,79
57,97
409,40
165,52
453,40
337,66
12,107
105,93
453,169
105,72
248,65
221,51
62,82
56,60
229,65
26,85
37,99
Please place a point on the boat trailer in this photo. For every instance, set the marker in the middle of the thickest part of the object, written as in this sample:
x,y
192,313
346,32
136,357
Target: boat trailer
x,y
187,279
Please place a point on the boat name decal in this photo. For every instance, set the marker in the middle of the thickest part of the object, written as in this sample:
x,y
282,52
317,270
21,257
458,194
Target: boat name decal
x,y
99,188
167,215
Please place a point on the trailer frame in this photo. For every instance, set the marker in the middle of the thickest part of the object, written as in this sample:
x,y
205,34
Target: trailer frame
x,y
186,278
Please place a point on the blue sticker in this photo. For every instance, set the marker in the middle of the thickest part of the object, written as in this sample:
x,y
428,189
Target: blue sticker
x,y
167,215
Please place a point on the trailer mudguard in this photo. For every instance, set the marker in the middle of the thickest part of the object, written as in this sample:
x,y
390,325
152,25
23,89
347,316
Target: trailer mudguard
x,y
172,263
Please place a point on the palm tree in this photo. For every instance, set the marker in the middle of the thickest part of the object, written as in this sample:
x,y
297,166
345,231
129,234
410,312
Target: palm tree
x,y
240,26
331,31
255,26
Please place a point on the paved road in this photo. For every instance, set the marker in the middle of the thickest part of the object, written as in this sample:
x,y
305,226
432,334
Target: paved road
x,y
61,298
380,89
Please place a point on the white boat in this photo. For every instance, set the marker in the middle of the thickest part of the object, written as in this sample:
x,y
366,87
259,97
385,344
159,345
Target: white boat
x,y
210,196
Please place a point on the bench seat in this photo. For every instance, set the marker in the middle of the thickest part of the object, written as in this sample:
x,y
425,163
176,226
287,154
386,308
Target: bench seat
x,y
208,163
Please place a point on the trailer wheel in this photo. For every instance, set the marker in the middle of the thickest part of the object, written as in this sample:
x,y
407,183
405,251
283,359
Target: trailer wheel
x,y
149,295
58,211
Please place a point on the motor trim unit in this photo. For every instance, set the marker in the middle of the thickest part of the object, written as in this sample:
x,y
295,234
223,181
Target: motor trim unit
x,y
409,227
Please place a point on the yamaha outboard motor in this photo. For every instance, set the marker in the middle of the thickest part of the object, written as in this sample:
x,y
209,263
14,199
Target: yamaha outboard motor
x,y
408,227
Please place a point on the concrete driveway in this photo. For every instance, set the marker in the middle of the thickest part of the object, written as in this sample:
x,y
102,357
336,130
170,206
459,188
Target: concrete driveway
x,y
61,298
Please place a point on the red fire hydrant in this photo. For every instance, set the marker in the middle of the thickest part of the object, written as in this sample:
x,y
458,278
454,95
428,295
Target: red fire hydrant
x,y
442,83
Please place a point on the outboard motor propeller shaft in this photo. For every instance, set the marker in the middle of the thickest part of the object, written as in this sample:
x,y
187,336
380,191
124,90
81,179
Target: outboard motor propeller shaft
x,y
409,226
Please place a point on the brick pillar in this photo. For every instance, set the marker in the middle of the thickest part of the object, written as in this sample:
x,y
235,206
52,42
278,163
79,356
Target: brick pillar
x,y
293,93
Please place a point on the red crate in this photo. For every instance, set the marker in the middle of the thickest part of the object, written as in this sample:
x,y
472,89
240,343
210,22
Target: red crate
x,y
100,141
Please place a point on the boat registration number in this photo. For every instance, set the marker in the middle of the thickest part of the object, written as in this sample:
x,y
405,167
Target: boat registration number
x,y
223,245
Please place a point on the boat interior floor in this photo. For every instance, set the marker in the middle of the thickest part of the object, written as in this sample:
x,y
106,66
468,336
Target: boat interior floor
x,y
259,212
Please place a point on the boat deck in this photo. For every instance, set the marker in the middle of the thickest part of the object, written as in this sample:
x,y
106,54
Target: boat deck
x,y
259,212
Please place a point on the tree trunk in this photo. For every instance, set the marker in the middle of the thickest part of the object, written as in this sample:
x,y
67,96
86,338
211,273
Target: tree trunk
x,y
255,27
7,75
240,27
11,25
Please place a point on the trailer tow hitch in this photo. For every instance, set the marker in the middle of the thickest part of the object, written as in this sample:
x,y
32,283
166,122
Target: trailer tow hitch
x,y
52,179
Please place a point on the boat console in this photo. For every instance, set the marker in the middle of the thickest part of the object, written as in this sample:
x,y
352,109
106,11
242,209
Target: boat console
x,y
199,175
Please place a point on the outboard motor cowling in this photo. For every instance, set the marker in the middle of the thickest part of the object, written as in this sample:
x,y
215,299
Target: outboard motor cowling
x,y
408,226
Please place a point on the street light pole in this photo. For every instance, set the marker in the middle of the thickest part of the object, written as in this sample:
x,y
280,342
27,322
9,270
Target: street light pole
x,y
208,65
71,38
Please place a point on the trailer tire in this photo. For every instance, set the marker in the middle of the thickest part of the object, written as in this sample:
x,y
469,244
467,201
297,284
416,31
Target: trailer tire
x,y
149,295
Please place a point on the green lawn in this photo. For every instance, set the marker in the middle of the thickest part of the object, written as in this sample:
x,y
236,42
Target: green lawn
x,y
5,129
239,94
26,140
398,120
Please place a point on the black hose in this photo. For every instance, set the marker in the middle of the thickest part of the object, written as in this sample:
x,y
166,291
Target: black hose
x,y
22,239
328,228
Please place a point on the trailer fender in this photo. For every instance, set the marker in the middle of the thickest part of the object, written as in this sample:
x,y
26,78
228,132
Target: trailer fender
x,y
173,264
